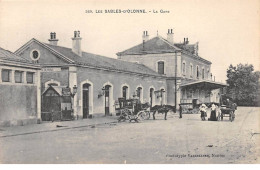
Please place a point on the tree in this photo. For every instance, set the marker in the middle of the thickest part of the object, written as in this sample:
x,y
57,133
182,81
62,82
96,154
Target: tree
x,y
243,84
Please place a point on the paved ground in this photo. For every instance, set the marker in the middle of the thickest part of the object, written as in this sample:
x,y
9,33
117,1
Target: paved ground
x,y
186,140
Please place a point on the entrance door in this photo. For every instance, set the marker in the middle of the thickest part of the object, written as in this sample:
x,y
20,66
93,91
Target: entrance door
x,y
139,91
51,105
85,94
151,96
125,88
107,88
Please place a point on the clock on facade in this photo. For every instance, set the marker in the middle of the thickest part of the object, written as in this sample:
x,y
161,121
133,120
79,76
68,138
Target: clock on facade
x,y
35,55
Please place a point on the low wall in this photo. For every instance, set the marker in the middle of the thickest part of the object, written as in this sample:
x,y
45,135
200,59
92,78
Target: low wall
x,y
18,105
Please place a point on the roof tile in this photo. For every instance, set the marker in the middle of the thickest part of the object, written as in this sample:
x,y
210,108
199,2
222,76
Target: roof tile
x,y
103,62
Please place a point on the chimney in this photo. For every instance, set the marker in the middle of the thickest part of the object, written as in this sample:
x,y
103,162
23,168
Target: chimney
x,y
184,41
53,40
76,43
170,35
145,36
187,41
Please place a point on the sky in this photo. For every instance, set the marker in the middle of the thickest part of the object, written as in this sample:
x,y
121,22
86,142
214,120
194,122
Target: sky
x,y
228,31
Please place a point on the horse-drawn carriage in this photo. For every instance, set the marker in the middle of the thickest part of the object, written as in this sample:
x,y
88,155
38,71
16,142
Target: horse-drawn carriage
x,y
227,107
227,112
133,109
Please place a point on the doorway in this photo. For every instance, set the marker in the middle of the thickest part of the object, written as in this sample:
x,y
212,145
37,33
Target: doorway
x,y
151,96
107,100
125,92
85,94
139,94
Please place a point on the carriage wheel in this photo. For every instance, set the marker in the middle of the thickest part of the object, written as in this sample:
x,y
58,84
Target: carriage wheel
x,y
124,114
141,115
146,115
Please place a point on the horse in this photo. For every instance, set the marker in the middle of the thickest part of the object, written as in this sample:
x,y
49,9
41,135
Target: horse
x,y
164,109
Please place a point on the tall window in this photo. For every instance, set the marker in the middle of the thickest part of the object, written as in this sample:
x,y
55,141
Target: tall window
x,y
29,77
161,67
198,73
125,89
191,70
6,75
139,92
18,76
203,73
183,68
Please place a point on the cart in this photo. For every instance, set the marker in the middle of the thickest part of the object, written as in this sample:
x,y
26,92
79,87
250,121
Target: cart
x,y
227,112
227,108
132,109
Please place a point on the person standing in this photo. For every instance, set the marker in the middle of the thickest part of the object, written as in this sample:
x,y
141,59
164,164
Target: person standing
x,y
203,111
213,113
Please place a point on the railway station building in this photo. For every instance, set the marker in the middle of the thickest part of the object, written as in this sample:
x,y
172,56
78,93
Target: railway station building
x,y
99,81
157,71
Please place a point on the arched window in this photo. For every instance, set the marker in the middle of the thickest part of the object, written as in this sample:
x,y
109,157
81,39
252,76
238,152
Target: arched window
x,y
139,93
203,73
183,68
125,92
161,67
198,73
162,91
191,70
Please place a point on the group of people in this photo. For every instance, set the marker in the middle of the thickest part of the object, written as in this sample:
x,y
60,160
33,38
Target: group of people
x,y
213,115
214,110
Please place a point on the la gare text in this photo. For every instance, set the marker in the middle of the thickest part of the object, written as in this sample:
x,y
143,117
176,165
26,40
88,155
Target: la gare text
x,y
113,11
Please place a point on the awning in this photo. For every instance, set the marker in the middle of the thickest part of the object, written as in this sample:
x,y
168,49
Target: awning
x,y
205,84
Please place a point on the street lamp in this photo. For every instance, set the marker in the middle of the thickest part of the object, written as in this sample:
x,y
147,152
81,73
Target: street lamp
x,y
74,91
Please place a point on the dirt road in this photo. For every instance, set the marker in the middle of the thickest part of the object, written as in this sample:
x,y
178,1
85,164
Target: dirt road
x,y
186,140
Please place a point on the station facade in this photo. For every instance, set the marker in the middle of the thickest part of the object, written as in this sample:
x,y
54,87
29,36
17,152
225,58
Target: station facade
x,y
99,80
155,66
188,75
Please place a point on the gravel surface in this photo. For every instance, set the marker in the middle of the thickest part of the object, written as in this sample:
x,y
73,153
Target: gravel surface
x,y
172,141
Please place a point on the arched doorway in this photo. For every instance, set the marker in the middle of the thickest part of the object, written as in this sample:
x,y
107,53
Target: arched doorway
x,y
107,89
125,92
85,95
163,96
139,94
151,99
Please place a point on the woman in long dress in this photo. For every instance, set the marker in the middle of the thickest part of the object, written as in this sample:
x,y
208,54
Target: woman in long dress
x,y
213,116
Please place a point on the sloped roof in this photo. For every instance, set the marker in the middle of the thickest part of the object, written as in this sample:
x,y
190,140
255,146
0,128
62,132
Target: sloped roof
x,y
153,46
188,47
57,89
158,45
99,61
9,56
207,84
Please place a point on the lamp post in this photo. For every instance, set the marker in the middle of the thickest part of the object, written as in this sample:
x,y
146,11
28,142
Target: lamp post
x,y
74,91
